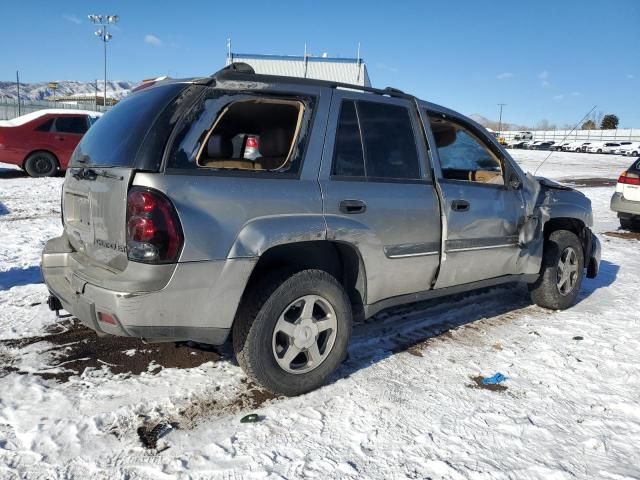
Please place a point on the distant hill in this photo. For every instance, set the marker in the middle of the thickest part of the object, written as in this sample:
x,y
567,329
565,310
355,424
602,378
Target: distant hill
x,y
494,124
41,91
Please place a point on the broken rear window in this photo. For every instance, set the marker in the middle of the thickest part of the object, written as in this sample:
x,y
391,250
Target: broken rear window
x,y
243,132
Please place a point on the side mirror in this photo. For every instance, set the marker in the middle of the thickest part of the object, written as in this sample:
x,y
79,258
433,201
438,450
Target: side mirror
x,y
515,183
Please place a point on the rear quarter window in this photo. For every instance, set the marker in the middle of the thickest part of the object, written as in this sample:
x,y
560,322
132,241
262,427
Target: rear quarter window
x,y
115,139
214,135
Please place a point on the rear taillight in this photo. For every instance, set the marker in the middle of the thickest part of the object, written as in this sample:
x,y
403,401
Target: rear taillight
x,y
252,142
629,178
154,234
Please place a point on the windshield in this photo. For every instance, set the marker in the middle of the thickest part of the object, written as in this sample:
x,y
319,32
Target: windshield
x,y
115,139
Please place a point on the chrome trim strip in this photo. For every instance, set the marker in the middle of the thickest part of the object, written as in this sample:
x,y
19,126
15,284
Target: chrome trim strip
x,y
486,247
418,254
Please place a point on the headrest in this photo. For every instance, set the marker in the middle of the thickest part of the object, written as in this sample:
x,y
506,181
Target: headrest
x,y
274,143
219,147
444,137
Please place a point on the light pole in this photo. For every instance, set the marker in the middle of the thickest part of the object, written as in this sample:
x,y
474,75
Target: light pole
x,y
102,33
500,121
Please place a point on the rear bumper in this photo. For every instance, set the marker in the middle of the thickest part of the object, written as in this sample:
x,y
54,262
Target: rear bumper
x,y
198,303
622,205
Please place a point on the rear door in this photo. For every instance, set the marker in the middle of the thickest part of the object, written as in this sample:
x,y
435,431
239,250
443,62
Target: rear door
x,y
66,132
378,193
482,211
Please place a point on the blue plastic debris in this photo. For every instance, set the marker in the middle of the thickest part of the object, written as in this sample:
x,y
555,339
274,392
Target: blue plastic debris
x,y
494,380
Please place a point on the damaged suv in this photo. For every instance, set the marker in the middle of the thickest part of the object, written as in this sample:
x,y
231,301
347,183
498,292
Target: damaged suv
x,y
360,199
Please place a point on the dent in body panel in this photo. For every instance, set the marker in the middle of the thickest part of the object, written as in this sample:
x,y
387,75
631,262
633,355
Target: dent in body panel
x,y
261,234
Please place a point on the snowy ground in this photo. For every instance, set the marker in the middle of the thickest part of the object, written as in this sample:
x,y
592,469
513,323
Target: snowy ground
x,y
405,404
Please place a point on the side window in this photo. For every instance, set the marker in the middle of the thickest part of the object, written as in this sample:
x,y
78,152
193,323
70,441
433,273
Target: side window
x,y
348,159
463,156
71,125
376,141
46,126
389,142
233,131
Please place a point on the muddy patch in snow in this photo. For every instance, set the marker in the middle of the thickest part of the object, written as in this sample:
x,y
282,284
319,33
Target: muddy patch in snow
x,y
493,387
625,235
71,348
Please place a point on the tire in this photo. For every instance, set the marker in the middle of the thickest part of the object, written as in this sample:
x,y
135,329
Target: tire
x,y
599,151
547,291
632,224
634,154
261,346
41,164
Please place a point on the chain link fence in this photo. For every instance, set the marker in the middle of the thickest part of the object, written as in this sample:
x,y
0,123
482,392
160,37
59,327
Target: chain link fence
x,y
9,107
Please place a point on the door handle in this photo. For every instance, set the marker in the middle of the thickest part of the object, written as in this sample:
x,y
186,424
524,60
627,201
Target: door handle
x,y
353,206
460,205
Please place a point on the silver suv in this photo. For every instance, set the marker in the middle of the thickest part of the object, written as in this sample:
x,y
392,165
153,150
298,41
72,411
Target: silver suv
x,y
361,199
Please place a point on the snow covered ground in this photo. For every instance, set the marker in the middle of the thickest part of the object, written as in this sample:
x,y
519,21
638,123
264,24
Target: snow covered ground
x,y
405,404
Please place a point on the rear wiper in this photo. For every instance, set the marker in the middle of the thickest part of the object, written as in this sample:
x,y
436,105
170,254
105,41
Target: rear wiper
x,y
91,174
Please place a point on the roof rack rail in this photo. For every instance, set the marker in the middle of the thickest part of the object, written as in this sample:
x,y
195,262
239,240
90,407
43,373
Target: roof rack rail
x,y
239,70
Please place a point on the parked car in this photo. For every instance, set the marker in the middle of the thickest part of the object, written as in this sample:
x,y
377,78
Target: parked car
x,y
632,150
42,142
535,145
174,236
626,199
584,146
572,146
613,146
523,136
545,145
602,147
627,148
516,144
527,144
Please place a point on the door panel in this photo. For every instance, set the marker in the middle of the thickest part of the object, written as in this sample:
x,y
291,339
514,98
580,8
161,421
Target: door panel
x,y
393,222
482,213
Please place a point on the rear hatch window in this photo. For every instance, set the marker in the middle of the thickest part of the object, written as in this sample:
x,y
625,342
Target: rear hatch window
x,y
114,141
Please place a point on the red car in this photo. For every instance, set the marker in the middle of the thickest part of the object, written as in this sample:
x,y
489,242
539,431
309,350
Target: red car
x,y
42,142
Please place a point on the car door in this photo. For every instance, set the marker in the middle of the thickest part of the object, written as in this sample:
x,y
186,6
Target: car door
x,y
482,210
378,194
67,132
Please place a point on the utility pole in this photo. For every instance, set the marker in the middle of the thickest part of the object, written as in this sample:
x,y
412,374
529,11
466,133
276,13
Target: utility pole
x,y
102,33
500,121
18,83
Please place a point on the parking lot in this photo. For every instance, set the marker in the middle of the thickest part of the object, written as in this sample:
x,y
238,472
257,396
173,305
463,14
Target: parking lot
x,y
406,403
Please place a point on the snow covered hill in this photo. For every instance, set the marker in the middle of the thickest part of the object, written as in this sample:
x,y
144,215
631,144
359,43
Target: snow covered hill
x,y
41,91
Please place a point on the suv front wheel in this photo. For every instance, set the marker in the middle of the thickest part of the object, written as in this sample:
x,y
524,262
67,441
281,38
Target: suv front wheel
x,y
561,273
292,330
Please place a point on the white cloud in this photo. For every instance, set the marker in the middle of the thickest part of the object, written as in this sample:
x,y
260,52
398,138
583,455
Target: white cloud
x,y
72,19
544,78
504,75
152,40
558,97
631,76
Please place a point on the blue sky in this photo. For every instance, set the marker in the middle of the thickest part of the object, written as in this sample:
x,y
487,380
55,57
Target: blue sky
x,y
545,59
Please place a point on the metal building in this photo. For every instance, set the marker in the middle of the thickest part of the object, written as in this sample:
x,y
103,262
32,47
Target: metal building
x,y
346,70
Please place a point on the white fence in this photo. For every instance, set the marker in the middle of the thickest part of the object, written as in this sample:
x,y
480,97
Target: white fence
x,y
9,107
622,134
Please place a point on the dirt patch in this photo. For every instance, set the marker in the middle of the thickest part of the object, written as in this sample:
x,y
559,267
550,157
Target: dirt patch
x,y
493,387
590,182
625,235
73,348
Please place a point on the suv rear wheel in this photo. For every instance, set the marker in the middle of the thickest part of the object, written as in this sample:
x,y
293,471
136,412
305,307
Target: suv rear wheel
x,y
561,273
41,164
292,331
